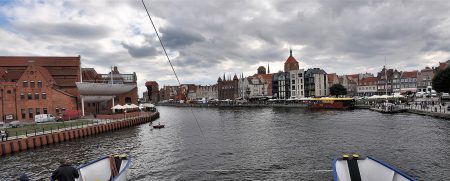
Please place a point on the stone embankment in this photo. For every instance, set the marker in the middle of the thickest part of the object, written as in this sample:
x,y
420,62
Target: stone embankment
x,y
103,125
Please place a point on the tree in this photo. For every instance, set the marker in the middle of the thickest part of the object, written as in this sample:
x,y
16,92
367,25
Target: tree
x,y
338,89
441,80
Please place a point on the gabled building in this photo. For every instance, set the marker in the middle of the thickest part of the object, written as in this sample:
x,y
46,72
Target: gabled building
x,y
388,81
408,82
424,79
228,89
332,79
367,86
37,85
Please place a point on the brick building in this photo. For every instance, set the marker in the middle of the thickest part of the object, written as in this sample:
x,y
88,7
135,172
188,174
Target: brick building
x,y
228,89
37,85
152,91
291,63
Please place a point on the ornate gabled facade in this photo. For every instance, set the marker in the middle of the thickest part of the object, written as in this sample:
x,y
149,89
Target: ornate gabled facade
x,y
228,89
34,92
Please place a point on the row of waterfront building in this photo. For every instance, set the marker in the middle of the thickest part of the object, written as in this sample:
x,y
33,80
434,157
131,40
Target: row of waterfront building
x,y
294,82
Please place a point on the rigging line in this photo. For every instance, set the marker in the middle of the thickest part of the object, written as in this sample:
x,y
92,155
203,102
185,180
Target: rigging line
x,y
162,45
170,62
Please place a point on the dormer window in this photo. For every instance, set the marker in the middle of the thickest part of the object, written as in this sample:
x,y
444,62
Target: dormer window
x,y
39,83
32,84
25,83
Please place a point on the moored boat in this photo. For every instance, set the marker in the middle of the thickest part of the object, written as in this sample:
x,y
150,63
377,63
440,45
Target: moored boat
x,y
332,103
106,168
367,169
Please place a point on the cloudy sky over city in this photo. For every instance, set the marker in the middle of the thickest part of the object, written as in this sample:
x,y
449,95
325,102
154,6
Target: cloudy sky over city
x,y
204,39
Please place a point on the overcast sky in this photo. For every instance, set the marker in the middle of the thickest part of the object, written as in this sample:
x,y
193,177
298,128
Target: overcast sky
x,y
207,38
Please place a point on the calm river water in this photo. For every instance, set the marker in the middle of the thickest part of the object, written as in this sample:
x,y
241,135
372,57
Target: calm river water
x,y
255,144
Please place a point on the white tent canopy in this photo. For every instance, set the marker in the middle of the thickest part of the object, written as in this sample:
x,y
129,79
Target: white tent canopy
x,y
118,106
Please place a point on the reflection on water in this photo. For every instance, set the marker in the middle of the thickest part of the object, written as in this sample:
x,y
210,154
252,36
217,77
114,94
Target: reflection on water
x,y
255,143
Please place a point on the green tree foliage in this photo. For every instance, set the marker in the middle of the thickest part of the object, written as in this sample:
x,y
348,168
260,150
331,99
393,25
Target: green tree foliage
x,y
338,89
441,80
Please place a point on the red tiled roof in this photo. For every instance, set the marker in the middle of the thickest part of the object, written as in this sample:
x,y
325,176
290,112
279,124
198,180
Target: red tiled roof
x,y
331,77
291,59
409,74
266,76
354,76
368,80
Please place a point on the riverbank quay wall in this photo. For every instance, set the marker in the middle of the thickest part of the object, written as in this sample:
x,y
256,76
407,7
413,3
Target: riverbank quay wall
x,y
232,105
430,113
57,136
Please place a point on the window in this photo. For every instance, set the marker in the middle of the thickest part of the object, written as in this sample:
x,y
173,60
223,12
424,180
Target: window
x,y
30,113
293,87
39,83
293,81
30,96
45,110
36,96
300,75
25,84
38,111
44,95
22,96
24,116
8,91
32,83
128,100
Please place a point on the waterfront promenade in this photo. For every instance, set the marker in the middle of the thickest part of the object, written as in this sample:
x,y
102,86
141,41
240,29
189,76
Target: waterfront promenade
x,y
20,141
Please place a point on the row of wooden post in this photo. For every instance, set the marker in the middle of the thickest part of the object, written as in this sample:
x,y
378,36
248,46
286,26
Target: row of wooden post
x,y
36,141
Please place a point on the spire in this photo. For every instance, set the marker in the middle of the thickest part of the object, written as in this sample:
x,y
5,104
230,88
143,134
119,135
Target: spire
x,y
224,76
290,51
268,68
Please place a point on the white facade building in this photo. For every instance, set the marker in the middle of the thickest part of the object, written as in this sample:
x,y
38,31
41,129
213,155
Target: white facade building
x,y
297,83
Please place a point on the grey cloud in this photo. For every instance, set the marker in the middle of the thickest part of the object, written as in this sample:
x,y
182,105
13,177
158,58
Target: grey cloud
x,y
69,30
141,51
178,37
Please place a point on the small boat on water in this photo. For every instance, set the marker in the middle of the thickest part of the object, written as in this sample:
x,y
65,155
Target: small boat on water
x,y
107,168
366,169
158,126
388,108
